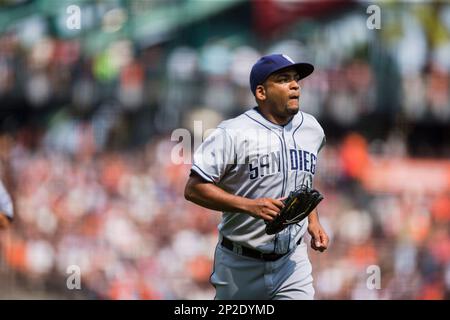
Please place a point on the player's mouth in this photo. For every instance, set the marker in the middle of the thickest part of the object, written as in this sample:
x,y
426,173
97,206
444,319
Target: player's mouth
x,y
294,97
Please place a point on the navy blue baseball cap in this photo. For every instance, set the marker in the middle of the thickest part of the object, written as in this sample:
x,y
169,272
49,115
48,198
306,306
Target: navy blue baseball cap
x,y
269,64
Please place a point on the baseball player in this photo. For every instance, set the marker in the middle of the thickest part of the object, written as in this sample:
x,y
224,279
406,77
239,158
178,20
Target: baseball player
x,y
245,168
6,208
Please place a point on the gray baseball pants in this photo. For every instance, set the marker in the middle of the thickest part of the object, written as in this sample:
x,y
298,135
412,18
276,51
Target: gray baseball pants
x,y
239,277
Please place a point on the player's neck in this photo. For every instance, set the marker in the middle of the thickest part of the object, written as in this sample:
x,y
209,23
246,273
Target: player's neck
x,y
269,116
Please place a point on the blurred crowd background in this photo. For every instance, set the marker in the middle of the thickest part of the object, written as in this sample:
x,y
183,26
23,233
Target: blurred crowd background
x,y
86,122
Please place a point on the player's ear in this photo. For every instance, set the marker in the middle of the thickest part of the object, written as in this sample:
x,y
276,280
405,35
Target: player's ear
x,y
260,92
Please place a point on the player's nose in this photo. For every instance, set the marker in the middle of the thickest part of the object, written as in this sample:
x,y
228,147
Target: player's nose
x,y
293,85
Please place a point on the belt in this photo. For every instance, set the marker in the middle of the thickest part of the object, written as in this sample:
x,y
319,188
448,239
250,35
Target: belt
x,y
252,253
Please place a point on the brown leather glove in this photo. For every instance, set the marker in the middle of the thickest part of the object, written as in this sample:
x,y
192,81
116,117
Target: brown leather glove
x,y
298,205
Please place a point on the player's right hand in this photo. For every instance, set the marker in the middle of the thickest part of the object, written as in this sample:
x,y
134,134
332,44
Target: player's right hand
x,y
265,208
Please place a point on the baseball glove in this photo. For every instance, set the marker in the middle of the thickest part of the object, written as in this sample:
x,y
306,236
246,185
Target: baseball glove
x,y
298,205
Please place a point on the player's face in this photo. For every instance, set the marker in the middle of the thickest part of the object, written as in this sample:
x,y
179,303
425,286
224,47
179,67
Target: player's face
x,y
283,92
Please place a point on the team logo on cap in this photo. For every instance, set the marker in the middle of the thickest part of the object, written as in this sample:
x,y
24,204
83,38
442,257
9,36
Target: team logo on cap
x,y
288,58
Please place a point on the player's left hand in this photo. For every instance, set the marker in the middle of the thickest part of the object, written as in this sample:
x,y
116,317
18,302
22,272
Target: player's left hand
x,y
319,238
4,222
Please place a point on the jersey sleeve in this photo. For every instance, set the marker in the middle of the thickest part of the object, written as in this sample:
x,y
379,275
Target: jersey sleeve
x,y
322,144
5,202
214,156
322,137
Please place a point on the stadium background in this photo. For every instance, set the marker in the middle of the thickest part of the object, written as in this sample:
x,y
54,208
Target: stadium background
x,y
86,118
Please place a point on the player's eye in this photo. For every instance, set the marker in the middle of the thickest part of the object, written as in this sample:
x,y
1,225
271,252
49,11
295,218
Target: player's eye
x,y
287,79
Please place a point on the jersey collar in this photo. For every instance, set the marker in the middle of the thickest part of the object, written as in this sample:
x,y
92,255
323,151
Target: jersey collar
x,y
257,115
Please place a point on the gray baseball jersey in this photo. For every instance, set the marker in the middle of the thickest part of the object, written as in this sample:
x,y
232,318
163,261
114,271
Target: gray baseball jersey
x,y
6,205
252,157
